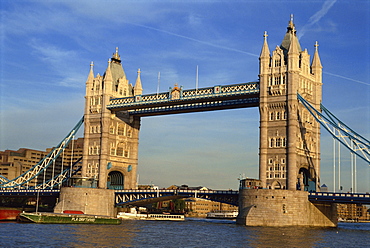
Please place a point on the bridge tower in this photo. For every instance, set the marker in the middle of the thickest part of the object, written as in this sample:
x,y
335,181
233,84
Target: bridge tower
x,y
110,155
289,136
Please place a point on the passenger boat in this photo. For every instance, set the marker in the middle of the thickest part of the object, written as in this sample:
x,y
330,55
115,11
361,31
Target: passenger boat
x,y
222,214
63,218
134,215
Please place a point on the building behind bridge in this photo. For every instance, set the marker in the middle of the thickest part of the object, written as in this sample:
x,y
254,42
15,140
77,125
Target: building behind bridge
x,y
353,212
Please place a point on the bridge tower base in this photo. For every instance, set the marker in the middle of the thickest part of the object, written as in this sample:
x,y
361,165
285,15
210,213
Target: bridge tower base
x,y
269,207
88,200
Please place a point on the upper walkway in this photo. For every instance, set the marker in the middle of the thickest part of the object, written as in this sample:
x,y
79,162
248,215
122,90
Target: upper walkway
x,y
177,100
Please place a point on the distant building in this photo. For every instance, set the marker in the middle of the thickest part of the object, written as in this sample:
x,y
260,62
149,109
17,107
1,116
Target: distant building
x,y
186,187
324,188
356,212
197,207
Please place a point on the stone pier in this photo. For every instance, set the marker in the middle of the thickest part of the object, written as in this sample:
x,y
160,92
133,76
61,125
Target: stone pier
x,y
88,200
269,207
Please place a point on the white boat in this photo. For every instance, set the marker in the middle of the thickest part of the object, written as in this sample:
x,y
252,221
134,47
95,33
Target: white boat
x,y
222,214
134,215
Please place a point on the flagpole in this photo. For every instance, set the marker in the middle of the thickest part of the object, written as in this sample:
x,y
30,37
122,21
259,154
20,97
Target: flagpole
x,y
159,79
196,80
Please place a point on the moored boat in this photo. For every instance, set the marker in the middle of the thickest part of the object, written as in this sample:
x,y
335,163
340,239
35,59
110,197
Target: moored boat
x,y
222,215
9,214
59,218
134,215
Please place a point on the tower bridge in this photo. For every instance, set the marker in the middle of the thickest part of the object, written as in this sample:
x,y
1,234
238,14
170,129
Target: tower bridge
x,y
289,97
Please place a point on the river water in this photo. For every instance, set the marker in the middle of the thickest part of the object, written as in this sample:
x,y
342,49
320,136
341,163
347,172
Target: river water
x,y
189,233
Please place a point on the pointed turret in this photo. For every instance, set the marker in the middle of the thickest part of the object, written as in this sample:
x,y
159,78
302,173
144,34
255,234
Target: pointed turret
x,y
90,77
264,56
90,80
138,89
265,52
108,79
316,62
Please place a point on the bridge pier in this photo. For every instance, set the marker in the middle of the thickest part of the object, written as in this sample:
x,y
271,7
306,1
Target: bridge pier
x,y
88,200
269,207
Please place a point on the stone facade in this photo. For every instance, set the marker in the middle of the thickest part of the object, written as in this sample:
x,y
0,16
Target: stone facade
x,y
268,207
111,139
289,136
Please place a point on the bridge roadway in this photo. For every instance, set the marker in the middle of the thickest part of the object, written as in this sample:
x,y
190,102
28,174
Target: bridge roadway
x,y
143,197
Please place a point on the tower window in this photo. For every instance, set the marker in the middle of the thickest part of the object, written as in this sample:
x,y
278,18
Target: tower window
x,y
271,116
278,142
120,130
272,141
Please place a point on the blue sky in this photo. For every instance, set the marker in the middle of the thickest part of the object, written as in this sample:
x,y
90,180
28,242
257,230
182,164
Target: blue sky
x,y
47,47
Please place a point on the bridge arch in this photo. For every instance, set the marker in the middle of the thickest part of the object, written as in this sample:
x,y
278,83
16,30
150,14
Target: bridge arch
x,y
304,180
115,180
276,185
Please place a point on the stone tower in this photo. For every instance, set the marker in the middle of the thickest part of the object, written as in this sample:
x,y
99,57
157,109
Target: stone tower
x,y
289,136
110,154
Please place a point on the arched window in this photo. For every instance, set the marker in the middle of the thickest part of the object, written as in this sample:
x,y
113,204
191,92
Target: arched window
x,y
129,132
272,141
120,130
278,142
271,116
120,151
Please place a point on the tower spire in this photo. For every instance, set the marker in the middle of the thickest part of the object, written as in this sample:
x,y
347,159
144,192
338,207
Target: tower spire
x,y
265,52
90,77
316,62
116,58
138,89
108,78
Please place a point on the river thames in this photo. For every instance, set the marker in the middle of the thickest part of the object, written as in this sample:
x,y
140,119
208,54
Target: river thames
x,y
189,233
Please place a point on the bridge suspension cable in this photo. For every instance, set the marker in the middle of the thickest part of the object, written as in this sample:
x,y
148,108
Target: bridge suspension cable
x,y
340,131
20,181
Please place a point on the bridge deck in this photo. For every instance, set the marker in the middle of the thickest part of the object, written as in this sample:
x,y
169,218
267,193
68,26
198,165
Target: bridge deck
x,y
355,198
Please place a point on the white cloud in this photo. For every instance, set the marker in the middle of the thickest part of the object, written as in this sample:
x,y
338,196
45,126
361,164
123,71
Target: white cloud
x,y
315,18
